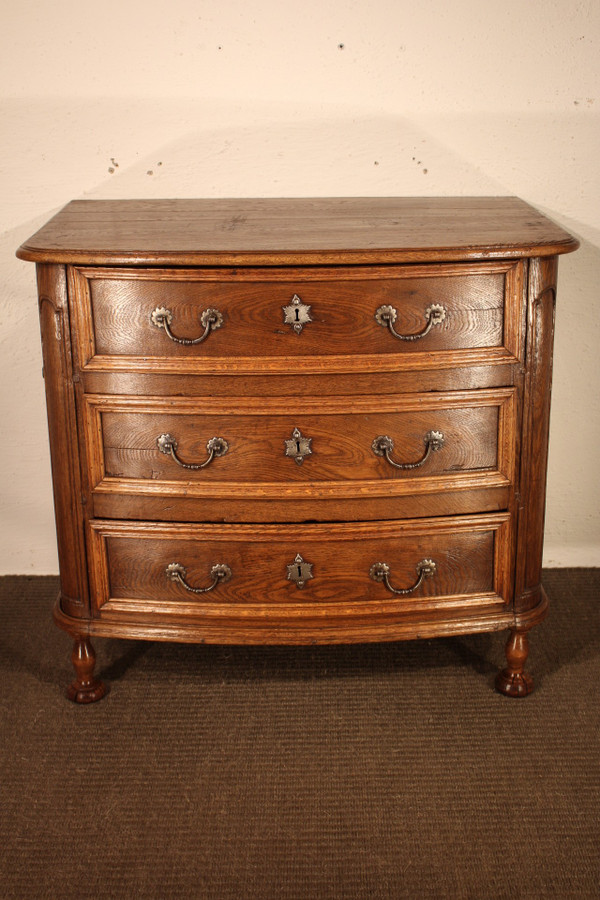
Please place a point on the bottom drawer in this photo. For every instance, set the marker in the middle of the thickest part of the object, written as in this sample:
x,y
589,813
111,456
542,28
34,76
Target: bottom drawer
x,y
287,576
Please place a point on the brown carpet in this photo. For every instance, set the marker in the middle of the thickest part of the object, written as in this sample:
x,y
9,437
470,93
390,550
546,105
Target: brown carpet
x,y
373,772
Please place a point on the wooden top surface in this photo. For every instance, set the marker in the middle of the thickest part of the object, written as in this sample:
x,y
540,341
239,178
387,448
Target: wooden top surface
x,y
295,231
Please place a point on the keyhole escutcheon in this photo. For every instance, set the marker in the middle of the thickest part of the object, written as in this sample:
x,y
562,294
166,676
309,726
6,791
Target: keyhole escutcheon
x,y
298,446
299,571
296,314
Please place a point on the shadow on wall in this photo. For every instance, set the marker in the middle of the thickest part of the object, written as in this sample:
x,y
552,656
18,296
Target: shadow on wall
x,y
330,157
117,149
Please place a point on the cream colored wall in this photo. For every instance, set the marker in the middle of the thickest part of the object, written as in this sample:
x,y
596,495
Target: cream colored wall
x,y
274,98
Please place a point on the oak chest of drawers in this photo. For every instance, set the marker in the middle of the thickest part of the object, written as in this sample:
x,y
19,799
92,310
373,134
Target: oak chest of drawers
x,y
298,421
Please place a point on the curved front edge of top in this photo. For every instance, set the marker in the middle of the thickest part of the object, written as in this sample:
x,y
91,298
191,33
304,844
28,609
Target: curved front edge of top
x,y
292,257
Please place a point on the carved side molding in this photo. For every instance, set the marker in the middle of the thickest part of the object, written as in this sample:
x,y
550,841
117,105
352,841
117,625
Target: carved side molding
x,y
62,427
536,419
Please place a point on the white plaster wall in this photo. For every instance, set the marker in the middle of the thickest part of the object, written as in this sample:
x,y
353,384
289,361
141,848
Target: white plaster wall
x,y
278,98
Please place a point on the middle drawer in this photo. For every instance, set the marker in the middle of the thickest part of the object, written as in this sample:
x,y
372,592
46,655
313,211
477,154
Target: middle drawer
x,y
300,448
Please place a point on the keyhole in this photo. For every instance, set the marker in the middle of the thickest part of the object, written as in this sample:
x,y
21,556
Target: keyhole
x,y
299,571
297,315
298,447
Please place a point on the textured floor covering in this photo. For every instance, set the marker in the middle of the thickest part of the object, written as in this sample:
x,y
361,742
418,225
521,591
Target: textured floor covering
x,y
302,773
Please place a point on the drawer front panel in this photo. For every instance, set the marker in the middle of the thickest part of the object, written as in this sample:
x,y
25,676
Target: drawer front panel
x,y
295,319
183,446
300,570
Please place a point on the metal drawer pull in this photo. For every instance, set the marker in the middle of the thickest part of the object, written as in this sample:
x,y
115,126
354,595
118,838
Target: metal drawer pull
x,y
211,319
384,445
220,573
387,315
381,572
217,446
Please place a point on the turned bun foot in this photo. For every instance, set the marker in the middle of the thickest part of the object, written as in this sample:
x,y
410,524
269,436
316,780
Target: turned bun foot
x,y
86,693
514,684
513,681
85,688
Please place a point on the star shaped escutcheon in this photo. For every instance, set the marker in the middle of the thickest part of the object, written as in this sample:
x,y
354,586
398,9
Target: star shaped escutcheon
x,y
297,314
299,571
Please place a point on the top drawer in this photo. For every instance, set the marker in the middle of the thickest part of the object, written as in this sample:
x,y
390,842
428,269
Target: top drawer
x,y
298,319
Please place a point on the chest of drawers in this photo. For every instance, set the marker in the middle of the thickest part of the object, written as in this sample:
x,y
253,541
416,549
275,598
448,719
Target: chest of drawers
x,y
298,421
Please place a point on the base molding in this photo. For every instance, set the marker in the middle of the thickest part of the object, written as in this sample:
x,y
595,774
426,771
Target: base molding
x,y
285,633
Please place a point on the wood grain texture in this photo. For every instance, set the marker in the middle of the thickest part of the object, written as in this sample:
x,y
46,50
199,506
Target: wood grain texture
x,y
337,502
62,427
131,560
341,445
113,311
342,311
398,626
536,425
354,384
126,429
291,232
372,491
